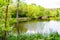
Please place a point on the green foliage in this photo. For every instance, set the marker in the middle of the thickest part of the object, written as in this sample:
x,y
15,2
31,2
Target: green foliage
x,y
33,11
2,18
11,37
26,37
52,36
2,3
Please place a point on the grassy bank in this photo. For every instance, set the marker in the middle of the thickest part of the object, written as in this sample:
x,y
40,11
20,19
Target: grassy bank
x,y
52,36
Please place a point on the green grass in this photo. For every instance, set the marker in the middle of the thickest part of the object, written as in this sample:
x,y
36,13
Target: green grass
x,y
52,36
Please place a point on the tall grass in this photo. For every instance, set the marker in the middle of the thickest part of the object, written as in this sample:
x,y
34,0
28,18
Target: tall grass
x,y
52,36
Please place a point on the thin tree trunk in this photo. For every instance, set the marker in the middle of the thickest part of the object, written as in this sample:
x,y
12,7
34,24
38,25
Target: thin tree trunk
x,y
17,16
6,19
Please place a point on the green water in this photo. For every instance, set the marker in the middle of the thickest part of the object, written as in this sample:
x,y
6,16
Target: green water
x,y
38,27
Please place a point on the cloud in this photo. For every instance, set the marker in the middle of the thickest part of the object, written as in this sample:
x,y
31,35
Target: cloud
x,y
45,3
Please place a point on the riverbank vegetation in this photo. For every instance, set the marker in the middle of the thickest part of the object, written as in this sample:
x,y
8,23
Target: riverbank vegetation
x,y
10,11
38,36
34,11
31,11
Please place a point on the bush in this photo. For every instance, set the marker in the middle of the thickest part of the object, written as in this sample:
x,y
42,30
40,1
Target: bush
x,y
52,36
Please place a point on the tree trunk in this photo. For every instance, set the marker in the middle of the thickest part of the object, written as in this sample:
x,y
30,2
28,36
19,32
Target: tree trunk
x,y
6,19
17,16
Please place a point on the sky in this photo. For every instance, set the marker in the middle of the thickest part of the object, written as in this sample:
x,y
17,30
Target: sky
x,y
44,3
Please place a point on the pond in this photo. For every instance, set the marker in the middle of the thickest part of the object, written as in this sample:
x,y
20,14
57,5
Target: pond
x,y
40,26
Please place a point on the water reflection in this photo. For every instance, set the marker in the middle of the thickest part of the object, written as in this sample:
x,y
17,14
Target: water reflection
x,y
52,26
35,27
40,27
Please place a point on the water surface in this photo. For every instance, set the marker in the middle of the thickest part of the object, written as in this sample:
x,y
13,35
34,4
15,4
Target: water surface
x,y
40,26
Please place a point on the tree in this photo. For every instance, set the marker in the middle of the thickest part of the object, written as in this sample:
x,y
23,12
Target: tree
x,y
17,15
6,19
2,3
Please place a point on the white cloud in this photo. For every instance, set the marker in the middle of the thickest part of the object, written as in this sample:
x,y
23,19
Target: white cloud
x,y
44,3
